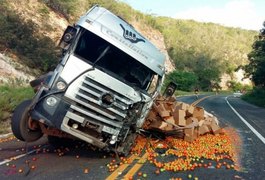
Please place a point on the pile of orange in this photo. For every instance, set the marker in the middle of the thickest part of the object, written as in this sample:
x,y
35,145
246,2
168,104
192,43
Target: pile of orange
x,y
207,151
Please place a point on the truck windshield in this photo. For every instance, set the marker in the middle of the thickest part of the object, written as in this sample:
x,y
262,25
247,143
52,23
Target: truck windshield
x,y
114,62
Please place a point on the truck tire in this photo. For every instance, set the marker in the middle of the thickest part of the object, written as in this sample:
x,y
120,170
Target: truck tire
x,y
19,124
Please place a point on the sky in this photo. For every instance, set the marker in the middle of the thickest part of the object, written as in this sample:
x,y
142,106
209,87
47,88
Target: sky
x,y
245,14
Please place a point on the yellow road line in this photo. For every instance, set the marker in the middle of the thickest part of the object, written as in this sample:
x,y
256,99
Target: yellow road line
x,y
136,167
121,168
198,101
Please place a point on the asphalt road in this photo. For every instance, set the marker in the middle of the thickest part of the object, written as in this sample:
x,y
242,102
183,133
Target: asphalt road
x,y
252,153
39,160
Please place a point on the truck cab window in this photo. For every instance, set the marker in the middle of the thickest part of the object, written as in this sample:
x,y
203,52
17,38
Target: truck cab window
x,y
115,62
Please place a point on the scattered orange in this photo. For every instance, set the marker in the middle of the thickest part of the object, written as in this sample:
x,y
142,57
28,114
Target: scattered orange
x,y
86,170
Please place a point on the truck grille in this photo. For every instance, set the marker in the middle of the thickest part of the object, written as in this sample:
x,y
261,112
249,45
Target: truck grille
x,y
88,104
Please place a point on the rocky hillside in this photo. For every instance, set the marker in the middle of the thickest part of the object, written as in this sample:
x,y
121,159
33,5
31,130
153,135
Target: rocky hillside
x,y
13,72
51,24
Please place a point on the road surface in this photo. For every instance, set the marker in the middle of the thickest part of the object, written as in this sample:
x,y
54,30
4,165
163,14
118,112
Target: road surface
x,y
39,160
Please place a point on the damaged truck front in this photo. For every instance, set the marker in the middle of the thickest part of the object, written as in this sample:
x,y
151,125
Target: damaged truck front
x,y
102,89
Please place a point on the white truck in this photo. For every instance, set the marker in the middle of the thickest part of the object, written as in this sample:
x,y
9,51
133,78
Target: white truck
x,y
102,89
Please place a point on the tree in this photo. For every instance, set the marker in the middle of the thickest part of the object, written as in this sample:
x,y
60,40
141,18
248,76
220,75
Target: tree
x,y
208,71
186,81
256,67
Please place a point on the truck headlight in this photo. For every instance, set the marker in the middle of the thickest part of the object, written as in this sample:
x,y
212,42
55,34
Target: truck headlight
x,y
60,85
51,101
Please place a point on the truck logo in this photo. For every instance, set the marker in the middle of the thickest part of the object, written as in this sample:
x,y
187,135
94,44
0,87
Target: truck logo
x,y
130,36
107,99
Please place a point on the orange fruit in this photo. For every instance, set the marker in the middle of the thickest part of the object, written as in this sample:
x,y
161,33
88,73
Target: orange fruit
x,y
86,170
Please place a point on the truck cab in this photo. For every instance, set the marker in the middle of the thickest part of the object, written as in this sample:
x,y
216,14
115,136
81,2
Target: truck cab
x,y
102,89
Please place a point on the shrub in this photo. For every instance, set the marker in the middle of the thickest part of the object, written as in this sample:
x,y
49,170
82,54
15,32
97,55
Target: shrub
x,y
256,96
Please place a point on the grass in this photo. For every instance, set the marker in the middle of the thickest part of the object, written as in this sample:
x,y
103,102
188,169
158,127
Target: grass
x,y
256,96
10,97
186,93
183,93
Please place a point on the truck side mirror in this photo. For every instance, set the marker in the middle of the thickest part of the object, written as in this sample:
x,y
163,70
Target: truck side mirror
x,y
170,90
67,37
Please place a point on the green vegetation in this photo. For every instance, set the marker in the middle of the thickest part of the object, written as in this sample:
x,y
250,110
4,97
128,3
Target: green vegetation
x,y
256,97
235,86
186,81
10,98
256,67
256,70
206,49
191,43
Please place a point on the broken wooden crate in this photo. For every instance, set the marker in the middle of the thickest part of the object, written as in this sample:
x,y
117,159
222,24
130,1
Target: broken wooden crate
x,y
169,115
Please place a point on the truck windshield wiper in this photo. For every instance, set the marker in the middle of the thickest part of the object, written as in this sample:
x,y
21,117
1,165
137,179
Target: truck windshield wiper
x,y
101,56
90,69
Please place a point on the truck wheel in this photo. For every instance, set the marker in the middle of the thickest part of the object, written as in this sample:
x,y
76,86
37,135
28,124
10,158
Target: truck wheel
x,y
19,124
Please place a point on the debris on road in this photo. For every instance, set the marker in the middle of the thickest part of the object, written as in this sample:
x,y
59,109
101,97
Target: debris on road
x,y
185,121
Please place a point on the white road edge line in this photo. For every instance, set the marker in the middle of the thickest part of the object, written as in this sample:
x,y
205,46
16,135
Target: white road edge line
x,y
16,157
248,125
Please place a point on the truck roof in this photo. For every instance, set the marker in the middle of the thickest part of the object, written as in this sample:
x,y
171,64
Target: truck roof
x,y
123,35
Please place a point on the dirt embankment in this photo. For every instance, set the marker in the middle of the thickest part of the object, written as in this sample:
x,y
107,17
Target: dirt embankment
x,y
48,24
12,72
